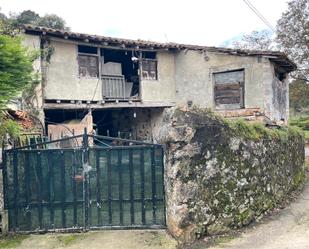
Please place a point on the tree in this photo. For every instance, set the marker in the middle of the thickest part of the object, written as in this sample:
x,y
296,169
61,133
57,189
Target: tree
x,y
14,21
27,17
15,68
293,36
256,40
15,76
52,21
299,95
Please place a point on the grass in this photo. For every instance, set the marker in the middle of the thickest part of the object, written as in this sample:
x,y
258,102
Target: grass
x,y
215,241
68,239
256,131
224,239
12,241
302,123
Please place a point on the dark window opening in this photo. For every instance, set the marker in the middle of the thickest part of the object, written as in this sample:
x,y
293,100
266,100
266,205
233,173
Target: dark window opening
x,y
280,74
120,73
87,49
88,63
229,89
149,55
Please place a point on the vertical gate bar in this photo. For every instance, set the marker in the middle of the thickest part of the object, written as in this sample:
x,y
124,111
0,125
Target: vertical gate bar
x,y
90,199
85,174
40,183
153,186
48,182
63,192
28,189
5,178
50,188
15,182
131,186
109,187
142,169
74,166
120,187
5,184
98,186
163,183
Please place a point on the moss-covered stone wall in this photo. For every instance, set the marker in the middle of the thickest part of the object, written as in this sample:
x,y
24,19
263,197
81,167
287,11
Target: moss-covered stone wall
x,y
224,174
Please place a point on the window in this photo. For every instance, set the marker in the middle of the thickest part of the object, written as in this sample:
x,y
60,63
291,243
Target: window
x,y
149,69
149,66
229,89
88,61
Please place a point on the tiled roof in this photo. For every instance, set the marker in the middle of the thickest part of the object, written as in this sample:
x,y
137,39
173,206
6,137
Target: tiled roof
x,y
276,56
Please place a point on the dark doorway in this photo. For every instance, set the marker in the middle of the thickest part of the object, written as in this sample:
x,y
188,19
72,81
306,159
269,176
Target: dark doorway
x,y
129,65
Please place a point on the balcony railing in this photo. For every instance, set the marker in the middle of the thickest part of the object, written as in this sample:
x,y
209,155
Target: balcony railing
x,y
115,87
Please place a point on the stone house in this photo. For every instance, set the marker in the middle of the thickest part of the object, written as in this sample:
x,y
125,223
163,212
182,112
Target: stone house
x,y
127,83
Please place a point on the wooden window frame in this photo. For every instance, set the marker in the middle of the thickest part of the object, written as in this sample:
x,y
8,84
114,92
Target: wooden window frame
x,y
230,87
79,66
149,71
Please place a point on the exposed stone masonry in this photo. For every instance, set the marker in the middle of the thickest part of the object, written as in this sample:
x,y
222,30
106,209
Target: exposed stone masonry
x,y
221,176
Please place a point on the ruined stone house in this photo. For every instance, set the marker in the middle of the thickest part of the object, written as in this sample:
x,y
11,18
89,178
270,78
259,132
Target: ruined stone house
x,y
128,83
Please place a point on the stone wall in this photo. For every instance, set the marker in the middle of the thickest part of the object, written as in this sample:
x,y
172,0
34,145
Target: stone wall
x,y
221,174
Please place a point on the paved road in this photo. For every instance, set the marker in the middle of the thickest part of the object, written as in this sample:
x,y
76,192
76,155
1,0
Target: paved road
x,y
287,230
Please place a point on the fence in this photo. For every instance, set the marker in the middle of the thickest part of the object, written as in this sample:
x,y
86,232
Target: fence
x,y
118,184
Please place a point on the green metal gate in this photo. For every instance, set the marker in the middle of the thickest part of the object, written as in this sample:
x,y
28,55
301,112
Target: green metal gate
x,y
102,183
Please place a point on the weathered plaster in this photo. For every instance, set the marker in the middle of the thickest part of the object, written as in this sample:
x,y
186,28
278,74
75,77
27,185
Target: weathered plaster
x,y
63,80
183,76
276,94
162,89
194,79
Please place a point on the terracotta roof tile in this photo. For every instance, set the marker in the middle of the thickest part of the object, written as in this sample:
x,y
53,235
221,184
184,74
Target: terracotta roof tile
x,y
276,56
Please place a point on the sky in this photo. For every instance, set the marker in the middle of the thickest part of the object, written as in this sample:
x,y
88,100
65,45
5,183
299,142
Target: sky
x,y
201,22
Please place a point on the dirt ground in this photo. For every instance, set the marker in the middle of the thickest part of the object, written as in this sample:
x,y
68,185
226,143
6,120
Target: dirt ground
x,y
126,239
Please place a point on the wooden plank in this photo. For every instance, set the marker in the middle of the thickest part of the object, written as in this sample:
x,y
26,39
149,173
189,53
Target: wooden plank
x,y
228,101
229,86
107,105
227,93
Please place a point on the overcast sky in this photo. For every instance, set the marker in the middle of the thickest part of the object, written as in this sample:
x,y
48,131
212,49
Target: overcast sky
x,y
204,22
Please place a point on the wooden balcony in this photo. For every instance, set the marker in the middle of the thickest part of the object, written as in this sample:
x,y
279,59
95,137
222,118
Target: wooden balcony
x,y
115,87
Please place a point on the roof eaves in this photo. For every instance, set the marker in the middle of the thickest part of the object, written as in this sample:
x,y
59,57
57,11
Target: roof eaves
x,y
156,45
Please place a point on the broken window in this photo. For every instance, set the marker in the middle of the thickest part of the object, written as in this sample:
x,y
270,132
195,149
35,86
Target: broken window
x,y
229,89
149,66
88,61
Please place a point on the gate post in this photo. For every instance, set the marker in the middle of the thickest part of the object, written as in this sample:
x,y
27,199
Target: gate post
x,y
85,147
